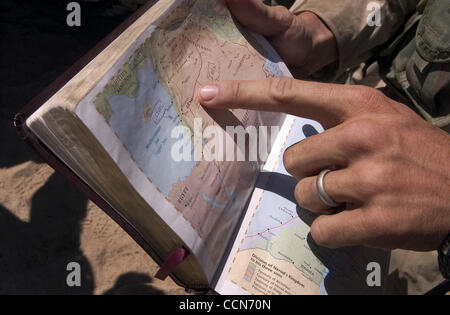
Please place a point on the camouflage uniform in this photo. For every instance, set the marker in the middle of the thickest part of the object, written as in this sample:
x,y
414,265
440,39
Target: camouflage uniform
x,y
412,48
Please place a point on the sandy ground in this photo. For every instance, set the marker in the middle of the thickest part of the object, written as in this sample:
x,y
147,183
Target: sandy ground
x,y
44,222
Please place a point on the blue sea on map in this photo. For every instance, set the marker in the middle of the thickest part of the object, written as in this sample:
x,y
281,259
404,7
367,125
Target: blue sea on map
x,y
274,68
150,142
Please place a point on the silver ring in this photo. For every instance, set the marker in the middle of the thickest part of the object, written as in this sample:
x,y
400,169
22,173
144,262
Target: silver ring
x,y
326,199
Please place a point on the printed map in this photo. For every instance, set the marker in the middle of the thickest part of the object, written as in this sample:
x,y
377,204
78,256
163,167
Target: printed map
x,y
154,92
275,247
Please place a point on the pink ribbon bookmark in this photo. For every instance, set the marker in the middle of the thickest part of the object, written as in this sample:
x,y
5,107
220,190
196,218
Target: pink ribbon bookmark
x,y
174,259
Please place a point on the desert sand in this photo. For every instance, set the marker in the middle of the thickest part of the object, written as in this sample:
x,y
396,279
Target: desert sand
x,y
45,224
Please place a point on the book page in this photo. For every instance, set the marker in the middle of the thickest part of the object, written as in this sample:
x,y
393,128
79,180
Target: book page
x,y
274,252
150,92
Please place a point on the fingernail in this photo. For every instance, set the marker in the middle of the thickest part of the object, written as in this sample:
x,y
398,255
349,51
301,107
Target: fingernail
x,y
209,92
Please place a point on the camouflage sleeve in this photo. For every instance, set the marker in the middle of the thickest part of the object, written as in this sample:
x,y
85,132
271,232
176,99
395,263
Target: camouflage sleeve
x,y
347,19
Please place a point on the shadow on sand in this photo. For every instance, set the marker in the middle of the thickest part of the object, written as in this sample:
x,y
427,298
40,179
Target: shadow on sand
x,y
36,47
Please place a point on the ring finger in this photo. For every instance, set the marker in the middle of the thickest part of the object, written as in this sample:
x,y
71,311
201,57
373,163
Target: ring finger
x,y
339,185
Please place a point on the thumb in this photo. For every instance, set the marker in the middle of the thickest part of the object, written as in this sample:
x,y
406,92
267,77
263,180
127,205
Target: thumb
x,y
261,18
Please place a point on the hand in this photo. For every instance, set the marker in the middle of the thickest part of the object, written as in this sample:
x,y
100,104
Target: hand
x,y
394,168
303,41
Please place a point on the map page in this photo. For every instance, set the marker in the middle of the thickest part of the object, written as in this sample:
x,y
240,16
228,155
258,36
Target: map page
x,y
151,91
274,252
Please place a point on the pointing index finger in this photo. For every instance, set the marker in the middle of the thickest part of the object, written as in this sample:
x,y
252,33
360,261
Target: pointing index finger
x,y
330,104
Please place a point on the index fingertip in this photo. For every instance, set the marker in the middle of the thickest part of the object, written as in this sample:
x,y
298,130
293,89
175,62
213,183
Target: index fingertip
x,y
207,93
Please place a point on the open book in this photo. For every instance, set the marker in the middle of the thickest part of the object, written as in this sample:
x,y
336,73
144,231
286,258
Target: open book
x,y
118,126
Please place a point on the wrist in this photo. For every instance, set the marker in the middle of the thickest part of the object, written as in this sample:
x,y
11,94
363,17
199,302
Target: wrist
x,y
323,42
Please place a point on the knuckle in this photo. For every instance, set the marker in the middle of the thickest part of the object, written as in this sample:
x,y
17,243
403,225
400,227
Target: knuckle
x,y
374,179
362,135
319,234
368,97
299,192
281,90
370,128
235,92
289,160
282,17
